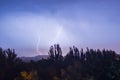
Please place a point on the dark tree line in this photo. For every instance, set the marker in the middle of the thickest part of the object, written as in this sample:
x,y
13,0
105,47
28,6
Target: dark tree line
x,y
76,65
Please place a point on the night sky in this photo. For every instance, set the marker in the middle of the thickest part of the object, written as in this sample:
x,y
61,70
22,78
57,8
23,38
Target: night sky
x,y
32,26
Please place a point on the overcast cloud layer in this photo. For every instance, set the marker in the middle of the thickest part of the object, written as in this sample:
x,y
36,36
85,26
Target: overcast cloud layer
x,y
31,26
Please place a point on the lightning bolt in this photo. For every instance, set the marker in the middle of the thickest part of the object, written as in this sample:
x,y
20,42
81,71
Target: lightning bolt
x,y
38,43
57,35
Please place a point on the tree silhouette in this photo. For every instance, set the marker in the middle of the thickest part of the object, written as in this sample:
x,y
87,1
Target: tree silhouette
x,y
75,65
55,53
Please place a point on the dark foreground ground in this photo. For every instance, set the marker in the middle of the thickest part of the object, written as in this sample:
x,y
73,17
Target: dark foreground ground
x,y
76,65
